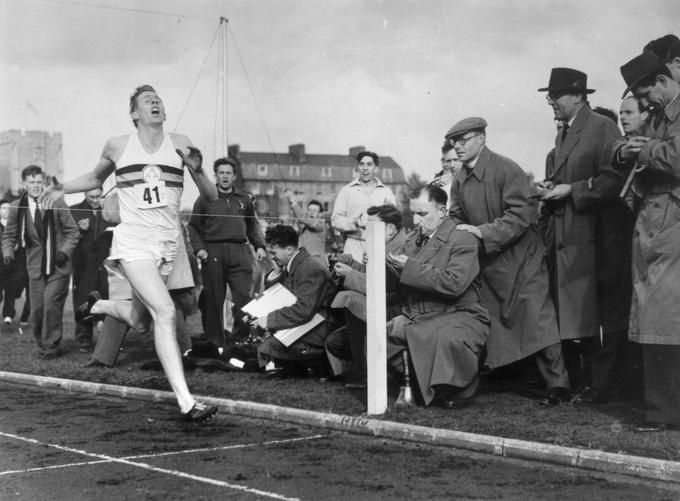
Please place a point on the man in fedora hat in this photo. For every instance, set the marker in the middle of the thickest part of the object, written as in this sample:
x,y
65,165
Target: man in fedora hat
x,y
587,234
654,321
490,198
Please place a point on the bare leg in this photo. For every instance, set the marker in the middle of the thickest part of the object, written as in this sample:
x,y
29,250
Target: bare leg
x,y
137,318
150,295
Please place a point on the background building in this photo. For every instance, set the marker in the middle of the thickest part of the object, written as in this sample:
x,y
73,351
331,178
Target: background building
x,y
18,150
309,176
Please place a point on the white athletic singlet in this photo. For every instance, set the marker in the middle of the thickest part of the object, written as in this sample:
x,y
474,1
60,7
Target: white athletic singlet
x,y
149,185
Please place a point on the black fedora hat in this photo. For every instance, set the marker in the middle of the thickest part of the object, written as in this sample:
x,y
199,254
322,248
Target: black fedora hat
x,y
567,80
639,68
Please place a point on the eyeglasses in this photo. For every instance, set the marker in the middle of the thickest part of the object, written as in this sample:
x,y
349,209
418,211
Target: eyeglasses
x,y
555,95
462,140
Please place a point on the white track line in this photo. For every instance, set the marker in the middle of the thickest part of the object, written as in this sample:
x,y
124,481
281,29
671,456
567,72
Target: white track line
x,y
149,467
225,447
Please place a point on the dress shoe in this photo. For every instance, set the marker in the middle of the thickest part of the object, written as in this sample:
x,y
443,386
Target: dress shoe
x,y
49,354
453,398
83,313
648,426
94,363
594,396
557,395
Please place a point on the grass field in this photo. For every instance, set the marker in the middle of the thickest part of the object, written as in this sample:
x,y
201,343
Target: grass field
x,y
497,411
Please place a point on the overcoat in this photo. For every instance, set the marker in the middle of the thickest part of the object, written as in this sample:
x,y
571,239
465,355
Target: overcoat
x,y
444,324
494,197
654,317
588,233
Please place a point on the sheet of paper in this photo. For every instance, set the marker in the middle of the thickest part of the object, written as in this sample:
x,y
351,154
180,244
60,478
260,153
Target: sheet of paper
x,y
274,298
289,336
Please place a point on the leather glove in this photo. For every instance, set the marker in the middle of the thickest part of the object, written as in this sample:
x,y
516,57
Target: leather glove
x,y
61,258
8,260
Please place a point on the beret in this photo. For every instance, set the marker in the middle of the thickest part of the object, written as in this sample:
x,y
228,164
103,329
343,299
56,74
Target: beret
x,y
466,125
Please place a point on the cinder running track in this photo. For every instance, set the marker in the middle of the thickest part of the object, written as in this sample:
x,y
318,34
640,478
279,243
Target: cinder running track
x,y
57,445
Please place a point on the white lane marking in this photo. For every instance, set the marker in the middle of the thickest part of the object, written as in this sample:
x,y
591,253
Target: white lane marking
x,y
145,466
225,447
53,467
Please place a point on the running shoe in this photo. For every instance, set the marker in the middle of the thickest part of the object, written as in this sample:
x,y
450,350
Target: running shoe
x,y
199,413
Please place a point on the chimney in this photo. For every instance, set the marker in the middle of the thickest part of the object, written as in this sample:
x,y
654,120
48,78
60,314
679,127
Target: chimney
x,y
297,151
234,150
355,150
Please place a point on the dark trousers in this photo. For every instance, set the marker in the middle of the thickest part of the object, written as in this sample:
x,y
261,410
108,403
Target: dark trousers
x,y
662,383
7,292
48,296
228,264
86,280
350,343
551,364
597,363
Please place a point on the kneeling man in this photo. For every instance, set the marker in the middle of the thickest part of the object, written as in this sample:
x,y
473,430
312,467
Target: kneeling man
x,y
443,325
311,283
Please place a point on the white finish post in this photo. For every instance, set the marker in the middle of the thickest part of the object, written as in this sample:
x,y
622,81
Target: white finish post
x,y
376,334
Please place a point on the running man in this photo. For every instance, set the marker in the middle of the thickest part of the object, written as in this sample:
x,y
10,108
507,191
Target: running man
x,y
149,176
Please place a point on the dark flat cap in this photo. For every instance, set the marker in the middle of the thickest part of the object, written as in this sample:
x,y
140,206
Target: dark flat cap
x,y
639,68
466,125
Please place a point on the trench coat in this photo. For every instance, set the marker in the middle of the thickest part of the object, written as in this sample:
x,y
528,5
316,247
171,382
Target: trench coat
x,y
588,234
654,317
494,197
443,322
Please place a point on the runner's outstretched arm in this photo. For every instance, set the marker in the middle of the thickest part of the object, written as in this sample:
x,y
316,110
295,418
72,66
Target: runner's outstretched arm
x,y
89,181
193,159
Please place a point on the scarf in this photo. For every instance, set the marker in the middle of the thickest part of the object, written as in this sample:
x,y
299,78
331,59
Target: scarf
x,y
48,243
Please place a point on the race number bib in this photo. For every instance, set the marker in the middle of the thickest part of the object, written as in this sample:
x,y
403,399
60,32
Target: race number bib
x,y
151,195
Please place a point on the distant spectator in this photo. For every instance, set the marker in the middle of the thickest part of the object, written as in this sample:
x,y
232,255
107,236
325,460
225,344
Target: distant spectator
x,y
312,226
349,212
49,236
7,293
220,234
88,258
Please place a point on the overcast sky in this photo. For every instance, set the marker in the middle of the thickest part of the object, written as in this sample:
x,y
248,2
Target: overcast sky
x,y
390,75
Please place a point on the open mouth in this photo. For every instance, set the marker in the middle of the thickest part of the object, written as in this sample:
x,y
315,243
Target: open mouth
x,y
155,111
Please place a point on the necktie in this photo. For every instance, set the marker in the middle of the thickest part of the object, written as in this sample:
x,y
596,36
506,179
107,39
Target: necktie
x,y
565,129
37,218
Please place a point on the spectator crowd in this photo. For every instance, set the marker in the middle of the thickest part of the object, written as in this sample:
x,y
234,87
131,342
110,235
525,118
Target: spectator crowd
x,y
573,276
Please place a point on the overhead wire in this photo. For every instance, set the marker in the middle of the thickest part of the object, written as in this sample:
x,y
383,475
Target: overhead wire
x,y
200,71
129,9
257,105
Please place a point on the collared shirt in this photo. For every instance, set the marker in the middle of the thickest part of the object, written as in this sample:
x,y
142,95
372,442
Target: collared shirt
x,y
32,205
291,260
353,201
471,164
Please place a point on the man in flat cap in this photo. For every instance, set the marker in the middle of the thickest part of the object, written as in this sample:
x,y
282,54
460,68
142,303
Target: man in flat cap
x,y
490,199
587,234
654,318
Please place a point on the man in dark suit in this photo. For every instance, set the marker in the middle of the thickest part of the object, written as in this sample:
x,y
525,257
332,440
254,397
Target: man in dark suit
x,y
6,273
314,289
588,233
443,325
88,258
49,234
